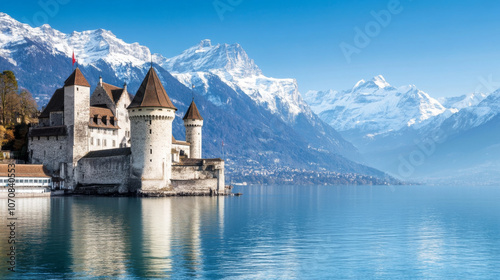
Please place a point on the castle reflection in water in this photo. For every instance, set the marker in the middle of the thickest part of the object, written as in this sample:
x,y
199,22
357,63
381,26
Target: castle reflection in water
x,y
97,236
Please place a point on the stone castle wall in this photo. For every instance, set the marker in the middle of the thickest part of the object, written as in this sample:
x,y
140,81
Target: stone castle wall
x,y
49,151
109,171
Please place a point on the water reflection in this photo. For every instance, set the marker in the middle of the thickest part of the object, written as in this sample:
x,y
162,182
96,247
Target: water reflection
x,y
270,232
92,237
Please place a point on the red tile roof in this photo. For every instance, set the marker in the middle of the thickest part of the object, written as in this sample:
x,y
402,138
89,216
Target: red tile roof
x,y
101,112
192,113
25,170
151,93
76,78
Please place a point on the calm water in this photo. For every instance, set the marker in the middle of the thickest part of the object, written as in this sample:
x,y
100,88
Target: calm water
x,y
282,232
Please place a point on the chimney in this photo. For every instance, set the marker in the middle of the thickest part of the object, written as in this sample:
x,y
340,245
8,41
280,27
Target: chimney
x,y
125,86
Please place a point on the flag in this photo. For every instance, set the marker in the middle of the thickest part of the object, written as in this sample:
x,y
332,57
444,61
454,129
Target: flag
x,y
74,60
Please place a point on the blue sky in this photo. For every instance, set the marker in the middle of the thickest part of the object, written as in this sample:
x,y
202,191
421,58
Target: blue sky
x,y
446,48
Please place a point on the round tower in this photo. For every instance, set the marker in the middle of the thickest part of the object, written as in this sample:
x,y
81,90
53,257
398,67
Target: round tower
x,y
193,122
151,115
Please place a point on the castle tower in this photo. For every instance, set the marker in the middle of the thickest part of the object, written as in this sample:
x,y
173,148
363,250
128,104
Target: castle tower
x,y
76,120
193,122
151,114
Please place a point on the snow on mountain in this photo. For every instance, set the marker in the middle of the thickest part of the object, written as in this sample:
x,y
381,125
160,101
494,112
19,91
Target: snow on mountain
x,y
88,46
474,115
459,102
233,66
374,106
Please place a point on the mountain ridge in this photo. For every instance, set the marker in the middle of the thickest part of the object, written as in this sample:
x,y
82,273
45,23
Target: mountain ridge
x,y
272,119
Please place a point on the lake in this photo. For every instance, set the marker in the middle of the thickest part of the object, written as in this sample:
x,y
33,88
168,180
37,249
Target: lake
x,y
271,232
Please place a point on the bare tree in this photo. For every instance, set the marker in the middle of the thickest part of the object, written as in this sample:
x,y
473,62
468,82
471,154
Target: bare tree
x,y
27,106
8,94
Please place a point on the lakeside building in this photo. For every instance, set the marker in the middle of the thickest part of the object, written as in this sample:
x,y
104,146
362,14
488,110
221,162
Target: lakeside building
x,y
29,179
112,142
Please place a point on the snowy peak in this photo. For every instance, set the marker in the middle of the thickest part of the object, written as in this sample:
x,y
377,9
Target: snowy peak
x,y
378,82
463,101
231,64
205,57
89,46
374,107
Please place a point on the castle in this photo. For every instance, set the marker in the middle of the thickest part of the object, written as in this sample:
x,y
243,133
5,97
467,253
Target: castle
x,y
112,142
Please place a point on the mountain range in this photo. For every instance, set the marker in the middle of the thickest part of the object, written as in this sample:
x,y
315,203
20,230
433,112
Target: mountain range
x,y
406,132
260,125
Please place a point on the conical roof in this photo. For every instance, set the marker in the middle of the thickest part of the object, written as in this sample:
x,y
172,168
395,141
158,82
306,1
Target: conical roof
x,y
76,79
192,113
151,93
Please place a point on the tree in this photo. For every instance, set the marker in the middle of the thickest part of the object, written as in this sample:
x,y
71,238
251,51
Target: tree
x,y
8,94
27,106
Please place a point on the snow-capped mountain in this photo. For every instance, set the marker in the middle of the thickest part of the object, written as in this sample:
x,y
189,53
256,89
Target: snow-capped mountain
x,y
242,107
457,103
233,66
88,46
474,115
374,107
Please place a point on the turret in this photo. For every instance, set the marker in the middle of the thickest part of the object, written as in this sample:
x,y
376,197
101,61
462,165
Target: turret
x,y
151,115
193,122
76,119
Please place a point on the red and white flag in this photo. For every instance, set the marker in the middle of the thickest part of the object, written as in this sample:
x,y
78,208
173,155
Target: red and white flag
x,y
74,60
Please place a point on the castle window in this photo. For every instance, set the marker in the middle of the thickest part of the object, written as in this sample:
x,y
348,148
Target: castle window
x,y
77,89
114,143
151,151
104,142
115,132
92,141
98,142
150,131
112,121
149,122
125,106
95,119
139,110
105,120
